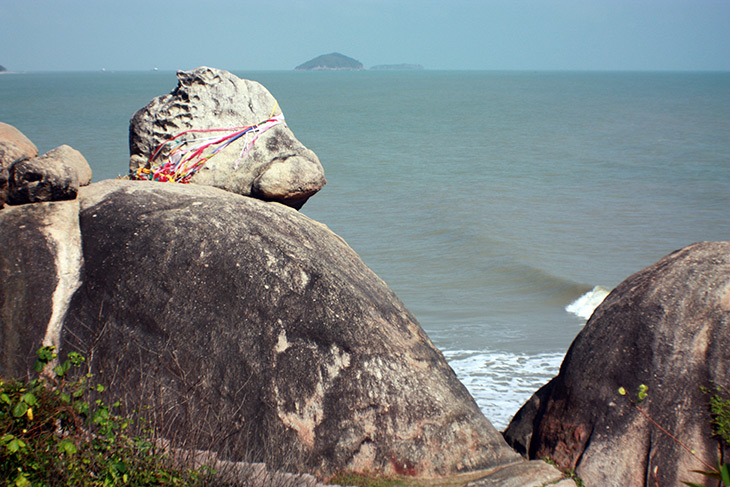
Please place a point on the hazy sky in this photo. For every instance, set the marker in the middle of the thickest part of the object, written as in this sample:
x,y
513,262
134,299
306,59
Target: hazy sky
x,y
39,35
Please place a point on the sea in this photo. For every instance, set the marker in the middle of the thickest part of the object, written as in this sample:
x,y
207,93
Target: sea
x,y
501,207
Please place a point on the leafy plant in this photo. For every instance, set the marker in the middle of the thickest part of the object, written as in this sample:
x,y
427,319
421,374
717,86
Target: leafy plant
x,y
720,410
722,473
53,433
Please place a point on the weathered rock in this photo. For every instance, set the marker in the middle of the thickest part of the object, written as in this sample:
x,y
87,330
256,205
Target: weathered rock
x,y
55,176
259,333
524,474
279,168
4,180
667,327
14,147
519,432
40,263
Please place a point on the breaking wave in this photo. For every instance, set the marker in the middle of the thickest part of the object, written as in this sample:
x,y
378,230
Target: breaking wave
x,y
584,306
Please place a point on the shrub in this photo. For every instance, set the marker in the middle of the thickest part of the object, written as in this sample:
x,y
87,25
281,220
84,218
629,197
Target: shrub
x,y
52,433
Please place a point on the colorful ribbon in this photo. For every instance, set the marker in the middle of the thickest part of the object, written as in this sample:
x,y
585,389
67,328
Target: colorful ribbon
x,y
182,163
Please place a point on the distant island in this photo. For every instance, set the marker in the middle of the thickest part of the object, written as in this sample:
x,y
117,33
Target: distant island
x,y
397,67
331,62
2,68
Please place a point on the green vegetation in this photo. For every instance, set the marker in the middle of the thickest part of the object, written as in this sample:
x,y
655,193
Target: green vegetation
x,y
358,480
720,410
53,433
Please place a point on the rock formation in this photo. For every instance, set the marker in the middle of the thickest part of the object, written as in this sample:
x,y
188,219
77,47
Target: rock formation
x,y
55,176
266,324
25,178
40,265
666,327
247,330
256,332
331,62
278,168
14,147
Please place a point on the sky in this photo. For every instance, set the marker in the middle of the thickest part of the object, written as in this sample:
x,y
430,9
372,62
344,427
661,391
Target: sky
x,y
645,35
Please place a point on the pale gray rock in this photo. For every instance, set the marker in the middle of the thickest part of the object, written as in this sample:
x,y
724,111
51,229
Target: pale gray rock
x,y
667,327
279,168
55,176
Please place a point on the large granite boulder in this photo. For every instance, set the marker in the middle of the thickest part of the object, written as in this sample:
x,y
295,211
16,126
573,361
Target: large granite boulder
x,y
667,327
255,332
278,168
55,176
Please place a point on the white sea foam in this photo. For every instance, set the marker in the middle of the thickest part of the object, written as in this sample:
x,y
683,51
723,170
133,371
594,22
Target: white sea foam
x,y
501,382
584,306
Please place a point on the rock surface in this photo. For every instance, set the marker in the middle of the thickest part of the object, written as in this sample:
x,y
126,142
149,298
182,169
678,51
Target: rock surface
x,y
524,474
256,330
668,327
14,147
55,176
279,168
40,262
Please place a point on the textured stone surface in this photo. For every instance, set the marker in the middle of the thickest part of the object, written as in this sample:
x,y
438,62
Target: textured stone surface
x,y
40,261
55,176
524,474
519,432
668,327
279,168
14,147
258,330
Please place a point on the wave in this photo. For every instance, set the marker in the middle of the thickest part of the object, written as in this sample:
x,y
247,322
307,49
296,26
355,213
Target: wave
x,y
584,306
501,382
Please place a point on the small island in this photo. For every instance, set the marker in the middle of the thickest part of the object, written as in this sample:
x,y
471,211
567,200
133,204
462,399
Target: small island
x,y
397,67
331,62
2,69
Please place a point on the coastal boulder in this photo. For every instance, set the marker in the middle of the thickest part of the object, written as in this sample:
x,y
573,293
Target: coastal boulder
x,y
261,335
665,328
277,168
14,147
55,176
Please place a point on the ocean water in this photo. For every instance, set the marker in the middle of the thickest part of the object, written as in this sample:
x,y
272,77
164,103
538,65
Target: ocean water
x,y
500,206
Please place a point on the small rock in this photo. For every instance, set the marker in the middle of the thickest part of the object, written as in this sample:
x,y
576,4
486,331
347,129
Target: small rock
x,y
14,146
55,176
